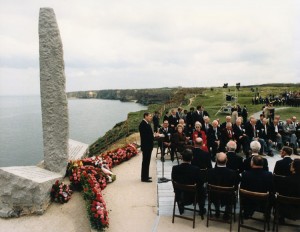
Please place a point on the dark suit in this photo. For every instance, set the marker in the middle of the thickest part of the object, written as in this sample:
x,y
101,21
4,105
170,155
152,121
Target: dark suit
x,y
164,140
147,138
212,137
188,174
198,116
241,139
173,122
282,167
247,164
222,176
291,188
234,162
201,159
256,180
226,136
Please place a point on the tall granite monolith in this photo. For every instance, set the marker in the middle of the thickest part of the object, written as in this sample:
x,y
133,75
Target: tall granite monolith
x,y
53,96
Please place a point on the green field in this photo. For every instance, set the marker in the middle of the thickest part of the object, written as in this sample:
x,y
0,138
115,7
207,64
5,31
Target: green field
x,y
211,98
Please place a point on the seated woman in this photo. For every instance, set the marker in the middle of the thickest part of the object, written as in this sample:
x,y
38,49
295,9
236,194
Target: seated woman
x,y
198,133
178,141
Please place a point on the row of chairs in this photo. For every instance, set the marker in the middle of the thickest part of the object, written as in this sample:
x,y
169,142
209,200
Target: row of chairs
x,y
231,195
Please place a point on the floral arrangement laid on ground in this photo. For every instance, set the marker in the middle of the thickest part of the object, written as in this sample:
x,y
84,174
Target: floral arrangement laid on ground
x,y
60,192
92,175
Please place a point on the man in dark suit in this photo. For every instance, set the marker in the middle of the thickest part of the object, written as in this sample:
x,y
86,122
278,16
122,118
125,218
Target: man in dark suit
x,y
282,167
213,139
207,126
190,120
173,120
265,135
165,138
147,139
256,180
241,138
201,158
222,176
276,131
199,114
188,174
291,187
234,162
226,136
255,147
252,131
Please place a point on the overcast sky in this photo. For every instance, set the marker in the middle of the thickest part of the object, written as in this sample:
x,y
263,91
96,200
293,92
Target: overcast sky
x,y
158,43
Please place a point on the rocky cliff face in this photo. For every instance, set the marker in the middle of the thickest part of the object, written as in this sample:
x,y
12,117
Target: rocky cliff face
x,y
142,96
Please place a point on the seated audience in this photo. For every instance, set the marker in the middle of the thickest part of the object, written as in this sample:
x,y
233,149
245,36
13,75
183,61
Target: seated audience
x,y
222,176
186,173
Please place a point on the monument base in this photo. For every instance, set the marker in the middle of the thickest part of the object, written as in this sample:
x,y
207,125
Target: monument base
x,y
25,190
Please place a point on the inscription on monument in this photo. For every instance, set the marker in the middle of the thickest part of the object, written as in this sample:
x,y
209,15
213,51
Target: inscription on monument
x,y
32,173
77,149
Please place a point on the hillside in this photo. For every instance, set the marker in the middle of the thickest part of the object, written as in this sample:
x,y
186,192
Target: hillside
x,y
167,98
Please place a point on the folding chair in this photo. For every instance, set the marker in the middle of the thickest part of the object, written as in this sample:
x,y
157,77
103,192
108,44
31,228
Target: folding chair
x,y
215,192
188,189
263,198
285,202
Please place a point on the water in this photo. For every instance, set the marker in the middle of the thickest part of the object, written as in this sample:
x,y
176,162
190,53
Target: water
x,y
21,138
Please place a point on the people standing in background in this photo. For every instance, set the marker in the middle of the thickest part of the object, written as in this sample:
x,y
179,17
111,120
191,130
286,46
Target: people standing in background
x,y
156,119
245,114
147,139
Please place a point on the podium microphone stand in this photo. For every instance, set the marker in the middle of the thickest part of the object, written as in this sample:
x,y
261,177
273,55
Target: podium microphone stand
x,y
163,179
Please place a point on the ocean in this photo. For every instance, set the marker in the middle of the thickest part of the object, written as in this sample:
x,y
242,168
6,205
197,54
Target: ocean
x,y
21,137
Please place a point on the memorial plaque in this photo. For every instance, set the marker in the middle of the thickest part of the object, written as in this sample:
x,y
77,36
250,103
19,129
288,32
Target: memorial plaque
x,y
77,149
33,173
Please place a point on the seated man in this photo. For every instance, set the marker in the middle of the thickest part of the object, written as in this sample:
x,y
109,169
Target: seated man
x,y
222,176
265,135
234,162
201,158
256,180
241,138
255,147
289,135
292,189
188,174
276,131
165,140
282,167
213,139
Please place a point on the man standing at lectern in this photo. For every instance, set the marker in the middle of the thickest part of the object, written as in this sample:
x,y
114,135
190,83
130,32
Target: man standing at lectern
x,y
147,138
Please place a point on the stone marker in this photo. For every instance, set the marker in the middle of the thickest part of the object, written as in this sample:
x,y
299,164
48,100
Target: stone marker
x,y
25,190
77,149
53,96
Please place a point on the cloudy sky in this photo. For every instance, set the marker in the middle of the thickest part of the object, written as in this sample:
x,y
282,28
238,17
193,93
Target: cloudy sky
x,y
149,44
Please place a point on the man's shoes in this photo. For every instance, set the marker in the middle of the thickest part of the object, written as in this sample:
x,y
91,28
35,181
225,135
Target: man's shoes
x,y
148,181
149,178
217,214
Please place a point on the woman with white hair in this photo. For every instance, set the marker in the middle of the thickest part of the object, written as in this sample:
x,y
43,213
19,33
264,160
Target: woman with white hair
x,y
198,133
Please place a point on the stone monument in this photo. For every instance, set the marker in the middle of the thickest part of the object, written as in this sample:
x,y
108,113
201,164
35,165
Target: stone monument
x,y
53,95
26,190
